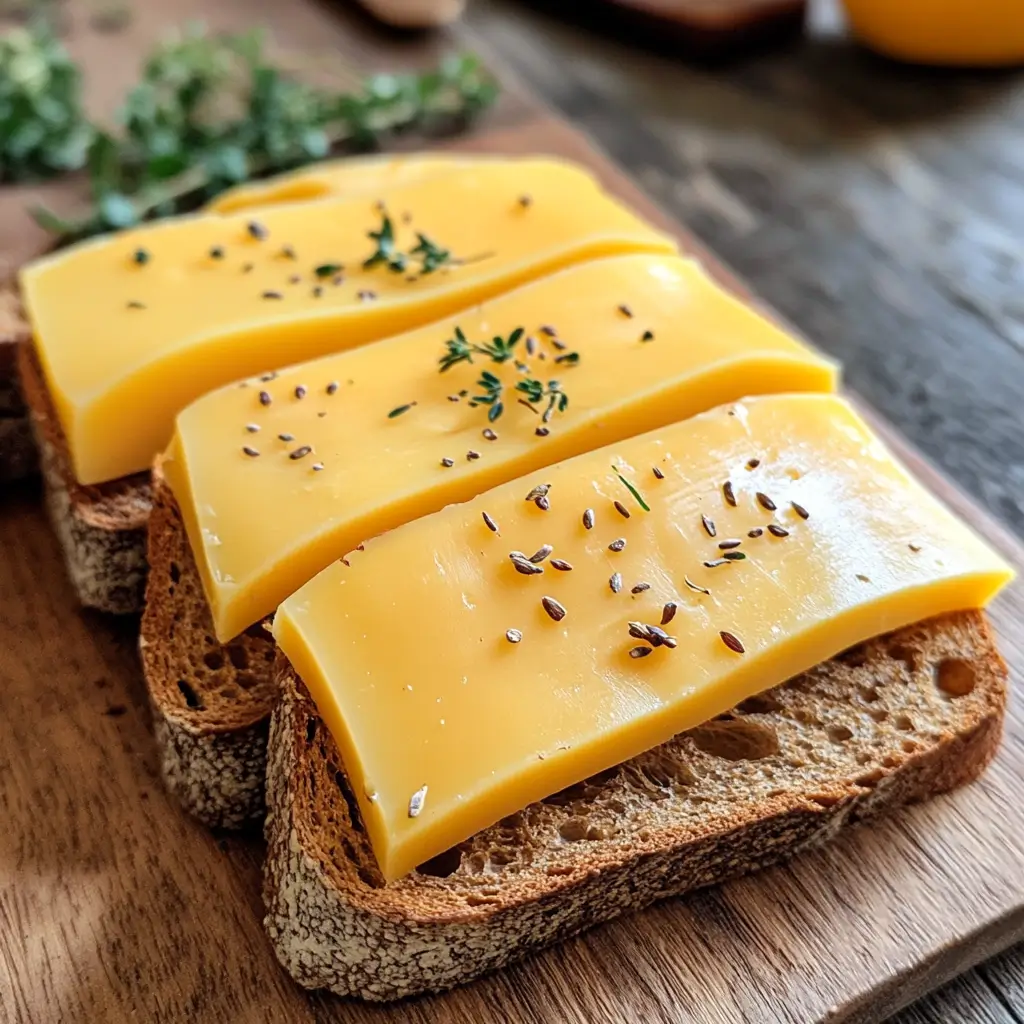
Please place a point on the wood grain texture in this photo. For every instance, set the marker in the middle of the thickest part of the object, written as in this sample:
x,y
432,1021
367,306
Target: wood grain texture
x,y
113,905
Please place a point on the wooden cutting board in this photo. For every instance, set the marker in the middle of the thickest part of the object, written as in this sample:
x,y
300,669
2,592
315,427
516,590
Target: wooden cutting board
x,y
114,905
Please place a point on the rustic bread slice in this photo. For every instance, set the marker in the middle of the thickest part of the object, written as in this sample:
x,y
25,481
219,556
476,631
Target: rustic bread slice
x,y
894,721
101,528
17,449
211,702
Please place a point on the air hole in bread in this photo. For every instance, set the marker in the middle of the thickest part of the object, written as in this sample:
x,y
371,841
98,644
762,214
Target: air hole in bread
x,y
443,865
213,660
499,858
238,656
350,801
564,797
228,692
175,571
868,694
954,677
190,695
900,652
311,727
909,746
476,863
855,657
740,740
761,704
595,832
904,723
890,762
367,877
573,830
246,680
839,733
879,714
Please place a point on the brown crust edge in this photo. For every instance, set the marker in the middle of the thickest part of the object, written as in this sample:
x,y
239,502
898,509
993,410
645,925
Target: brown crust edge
x,y
18,456
101,529
352,941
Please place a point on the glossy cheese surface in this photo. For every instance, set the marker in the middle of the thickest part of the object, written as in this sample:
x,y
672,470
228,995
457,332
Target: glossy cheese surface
x,y
366,472
126,341
350,176
405,650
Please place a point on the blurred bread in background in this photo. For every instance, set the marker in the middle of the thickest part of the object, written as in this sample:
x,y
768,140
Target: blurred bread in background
x,y
413,14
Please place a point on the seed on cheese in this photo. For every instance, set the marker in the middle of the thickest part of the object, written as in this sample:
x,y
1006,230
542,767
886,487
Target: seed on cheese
x,y
580,695
384,472
340,179
204,324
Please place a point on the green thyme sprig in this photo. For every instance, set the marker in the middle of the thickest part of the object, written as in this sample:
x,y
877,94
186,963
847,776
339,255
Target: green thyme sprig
x,y
427,253
492,388
459,349
632,490
209,112
536,391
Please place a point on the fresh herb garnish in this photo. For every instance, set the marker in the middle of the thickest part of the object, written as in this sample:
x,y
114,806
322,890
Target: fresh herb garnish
x,y
632,490
459,349
327,270
536,391
492,388
430,255
400,409
175,148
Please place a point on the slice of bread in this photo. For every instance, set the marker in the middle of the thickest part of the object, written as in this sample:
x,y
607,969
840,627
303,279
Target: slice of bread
x,y
893,721
211,702
17,449
102,528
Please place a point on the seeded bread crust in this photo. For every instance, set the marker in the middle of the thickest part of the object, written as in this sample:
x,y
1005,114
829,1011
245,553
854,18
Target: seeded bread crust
x,y
102,528
892,722
17,447
211,702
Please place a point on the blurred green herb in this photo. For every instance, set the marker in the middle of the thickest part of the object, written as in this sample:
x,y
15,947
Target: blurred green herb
x,y
209,112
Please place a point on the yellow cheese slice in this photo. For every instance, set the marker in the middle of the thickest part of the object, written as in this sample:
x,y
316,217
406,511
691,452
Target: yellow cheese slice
x,y
365,472
445,725
131,328
351,176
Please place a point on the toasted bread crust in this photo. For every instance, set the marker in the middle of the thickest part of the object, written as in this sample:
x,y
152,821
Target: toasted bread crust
x,y
17,446
859,736
211,702
102,528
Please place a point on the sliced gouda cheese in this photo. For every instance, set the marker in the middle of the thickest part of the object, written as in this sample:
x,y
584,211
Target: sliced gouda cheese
x,y
343,178
131,328
365,473
406,653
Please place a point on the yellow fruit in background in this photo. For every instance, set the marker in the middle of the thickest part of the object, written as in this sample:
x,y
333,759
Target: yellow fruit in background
x,y
965,32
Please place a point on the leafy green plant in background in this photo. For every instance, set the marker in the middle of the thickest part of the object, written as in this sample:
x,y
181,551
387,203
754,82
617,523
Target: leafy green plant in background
x,y
210,111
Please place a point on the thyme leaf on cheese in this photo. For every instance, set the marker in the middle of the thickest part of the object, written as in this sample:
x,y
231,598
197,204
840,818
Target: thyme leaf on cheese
x,y
492,388
429,254
210,111
536,391
460,349
457,350
632,490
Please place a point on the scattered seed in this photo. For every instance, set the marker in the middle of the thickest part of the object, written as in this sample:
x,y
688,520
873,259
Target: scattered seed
x,y
265,398
251,452
695,586
523,565
756,531
621,509
731,641
399,410
300,453
286,437
332,388
863,578
525,201
618,544
729,494
626,311
317,466
327,269
300,391
800,510
765,501
447,463
560,346
140,257
658,474
453,398
542,432
247,268
659,637
615,582
273,295
257,230
709,526
317,291
668,613
753,463
914,547
639,631
531,345
491,524
541,553
295,279
513,636
728,545
548,330
217,252
540,491
588,519
553,608
416,801
561,565
472,455
490,435
640,588
543,503
640,652
647,336
288,252
365,295
269,376
715,563
253,428
777,531
670,642
734,556
135,304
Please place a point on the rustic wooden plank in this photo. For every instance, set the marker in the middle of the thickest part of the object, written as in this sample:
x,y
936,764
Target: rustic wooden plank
x,y
113,904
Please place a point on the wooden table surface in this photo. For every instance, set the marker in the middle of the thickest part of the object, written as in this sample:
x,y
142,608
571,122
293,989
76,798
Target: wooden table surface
x,y
879,208
875,207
